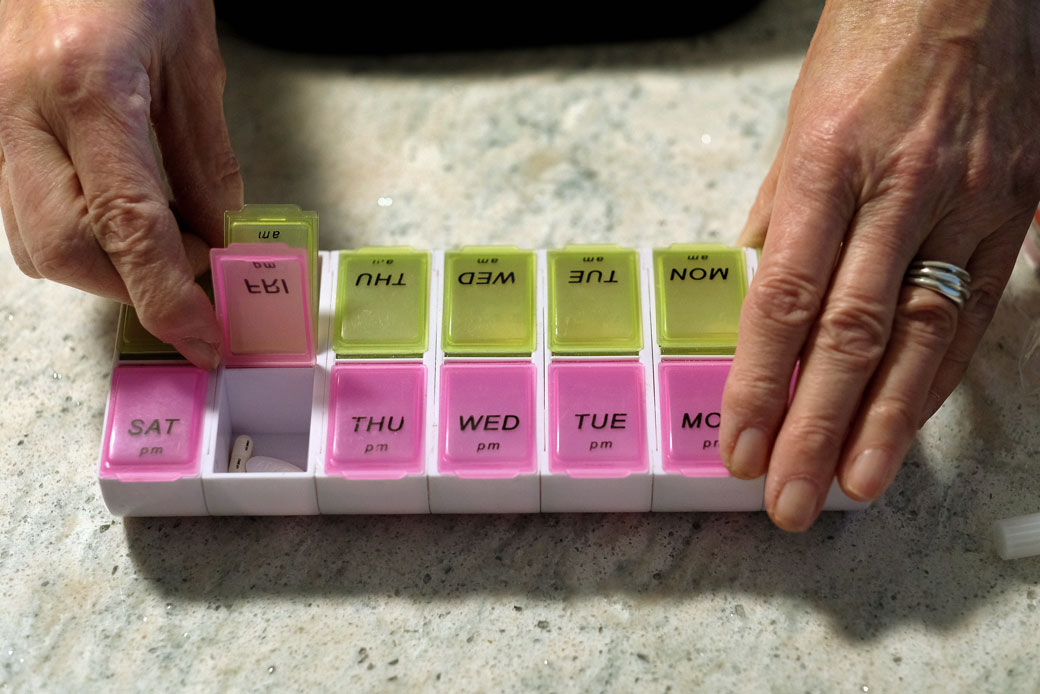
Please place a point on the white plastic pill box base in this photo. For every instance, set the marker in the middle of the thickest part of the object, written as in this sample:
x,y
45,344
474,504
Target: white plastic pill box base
x,y
284,410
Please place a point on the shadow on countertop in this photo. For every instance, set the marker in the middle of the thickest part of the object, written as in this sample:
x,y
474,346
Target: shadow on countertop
x,y
922,555
915,558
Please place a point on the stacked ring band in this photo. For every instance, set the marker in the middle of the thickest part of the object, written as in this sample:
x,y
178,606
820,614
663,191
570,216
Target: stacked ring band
x,y
947,279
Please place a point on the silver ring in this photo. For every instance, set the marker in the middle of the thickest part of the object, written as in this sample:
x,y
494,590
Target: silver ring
x,y
947,279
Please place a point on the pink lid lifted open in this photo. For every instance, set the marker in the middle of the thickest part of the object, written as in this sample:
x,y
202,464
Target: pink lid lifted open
x,y
263,304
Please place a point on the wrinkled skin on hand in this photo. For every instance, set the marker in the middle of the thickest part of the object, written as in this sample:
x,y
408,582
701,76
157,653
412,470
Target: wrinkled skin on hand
x,y
913,132
83,86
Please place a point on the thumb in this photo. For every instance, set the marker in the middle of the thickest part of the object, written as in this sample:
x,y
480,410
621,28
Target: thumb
x,y
182,315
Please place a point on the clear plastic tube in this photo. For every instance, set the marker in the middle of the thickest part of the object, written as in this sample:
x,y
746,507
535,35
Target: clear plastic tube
x,y
1017,537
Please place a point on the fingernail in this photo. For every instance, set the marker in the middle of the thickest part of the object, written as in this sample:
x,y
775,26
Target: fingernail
x,y
199,352
795,508
869,474
748,459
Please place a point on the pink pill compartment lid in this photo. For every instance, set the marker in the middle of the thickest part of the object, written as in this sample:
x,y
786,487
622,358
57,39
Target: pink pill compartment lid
x,y
376,421
597,419
153,430
691,400
486,424
263,304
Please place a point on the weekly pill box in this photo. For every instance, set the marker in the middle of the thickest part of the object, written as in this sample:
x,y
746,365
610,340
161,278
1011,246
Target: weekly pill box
x,y
483,379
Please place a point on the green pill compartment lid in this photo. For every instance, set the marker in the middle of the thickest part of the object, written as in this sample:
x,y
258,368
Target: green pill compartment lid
x,y
489,301
699,291
594,300
286,224
382,302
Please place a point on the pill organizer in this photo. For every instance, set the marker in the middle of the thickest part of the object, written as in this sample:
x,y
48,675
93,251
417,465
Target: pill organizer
x,y
484,379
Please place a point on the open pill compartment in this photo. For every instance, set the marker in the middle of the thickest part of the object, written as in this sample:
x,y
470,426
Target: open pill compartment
x,y
270,386
486,379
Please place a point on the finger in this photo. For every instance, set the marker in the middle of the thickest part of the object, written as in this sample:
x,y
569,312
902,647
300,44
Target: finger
x,y
754,233
109,144
193,136
990,269
59,237
846,346
51,215
810,217
14,239
922,330
929,333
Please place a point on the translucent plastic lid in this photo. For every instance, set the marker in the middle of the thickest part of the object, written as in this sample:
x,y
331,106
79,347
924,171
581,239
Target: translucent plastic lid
x,y
262,295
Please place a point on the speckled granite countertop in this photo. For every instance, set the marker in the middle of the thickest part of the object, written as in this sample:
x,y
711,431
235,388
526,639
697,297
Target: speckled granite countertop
x,y
651,143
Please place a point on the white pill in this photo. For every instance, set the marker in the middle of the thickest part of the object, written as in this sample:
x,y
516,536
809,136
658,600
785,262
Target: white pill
x,y
241,452
262,463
